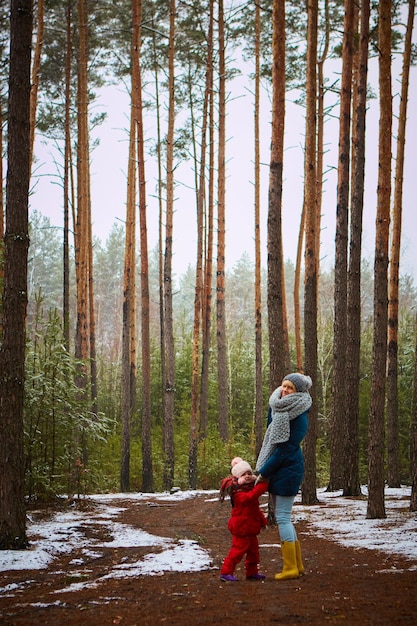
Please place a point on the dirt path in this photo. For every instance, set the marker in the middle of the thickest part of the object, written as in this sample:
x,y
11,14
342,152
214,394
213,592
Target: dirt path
x,y
341,586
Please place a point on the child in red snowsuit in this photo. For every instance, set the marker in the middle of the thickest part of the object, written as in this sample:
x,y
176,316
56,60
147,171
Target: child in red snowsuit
x,y
246,520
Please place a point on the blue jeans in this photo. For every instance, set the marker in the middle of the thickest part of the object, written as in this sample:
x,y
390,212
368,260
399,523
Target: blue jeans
x,y
283,508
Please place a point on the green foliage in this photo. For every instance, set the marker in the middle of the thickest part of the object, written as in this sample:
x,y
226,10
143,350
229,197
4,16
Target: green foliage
x,y
214,457
51,104
323,462
54,411
58,422
45,264
406,360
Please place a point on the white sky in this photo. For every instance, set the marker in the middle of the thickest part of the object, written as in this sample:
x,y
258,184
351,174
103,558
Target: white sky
x,y
336,519
108,169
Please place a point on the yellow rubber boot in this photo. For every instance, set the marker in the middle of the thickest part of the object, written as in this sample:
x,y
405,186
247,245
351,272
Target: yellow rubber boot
x,y
289,558
299,558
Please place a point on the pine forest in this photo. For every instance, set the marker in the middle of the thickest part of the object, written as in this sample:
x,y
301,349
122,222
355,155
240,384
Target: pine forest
x,y
120,373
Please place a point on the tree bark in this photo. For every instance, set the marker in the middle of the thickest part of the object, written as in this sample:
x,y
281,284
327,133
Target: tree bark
x,y
82,338
160,241
376,434
67,178
222,371
13,346
209,238
82,332
413,499
321,115
297,282
35,73
147,465
394,276
169,382
259,417
202,296
351,483
91,312
1,222
339,413
1,191
128,294
278,336
198,305
309,491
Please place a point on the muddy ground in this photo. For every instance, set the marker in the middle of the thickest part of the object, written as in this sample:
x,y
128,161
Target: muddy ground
x,y
341,585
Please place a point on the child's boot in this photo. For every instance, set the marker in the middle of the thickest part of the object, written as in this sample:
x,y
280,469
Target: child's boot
x,y
257,576
228,578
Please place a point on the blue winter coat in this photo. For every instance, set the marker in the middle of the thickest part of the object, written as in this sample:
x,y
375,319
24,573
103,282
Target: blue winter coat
x,y
285,467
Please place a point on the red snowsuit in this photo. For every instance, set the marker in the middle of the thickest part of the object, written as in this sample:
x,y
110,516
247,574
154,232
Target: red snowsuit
x,y
245,524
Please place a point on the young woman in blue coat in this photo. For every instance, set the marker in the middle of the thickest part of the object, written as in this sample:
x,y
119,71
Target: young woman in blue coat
x,y
281,461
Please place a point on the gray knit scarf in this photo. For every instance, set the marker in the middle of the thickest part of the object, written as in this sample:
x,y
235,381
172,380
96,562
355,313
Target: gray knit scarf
x,y
283,411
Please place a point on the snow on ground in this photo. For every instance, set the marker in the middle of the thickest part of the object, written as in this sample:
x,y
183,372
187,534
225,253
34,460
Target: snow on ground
x,y
344,520
337,518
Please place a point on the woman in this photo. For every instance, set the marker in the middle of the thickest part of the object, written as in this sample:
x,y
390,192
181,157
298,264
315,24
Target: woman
x,y
281,462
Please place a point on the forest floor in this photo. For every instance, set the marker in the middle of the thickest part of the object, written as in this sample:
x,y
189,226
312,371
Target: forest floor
x,y
340,586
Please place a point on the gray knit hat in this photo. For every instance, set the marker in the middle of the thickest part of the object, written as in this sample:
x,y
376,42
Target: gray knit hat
x,y
300,382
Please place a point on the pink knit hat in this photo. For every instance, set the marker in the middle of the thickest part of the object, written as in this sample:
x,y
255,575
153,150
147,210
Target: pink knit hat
x,y
239,467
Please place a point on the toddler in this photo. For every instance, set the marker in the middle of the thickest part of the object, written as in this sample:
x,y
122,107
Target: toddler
x,y
246,520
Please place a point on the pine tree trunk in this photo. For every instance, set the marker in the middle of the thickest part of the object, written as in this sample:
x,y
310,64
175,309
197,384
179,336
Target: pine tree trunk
x,y
208,264
376,434
1,222
278,353
35,73
394,278
81,344
309,491
202,313
91,312
322,89
13,345
1,186
413,446
67,179
259,421
82,339
198,302
169,382
339,413
351,483
297,282
160,237
222,371
147,466
128,296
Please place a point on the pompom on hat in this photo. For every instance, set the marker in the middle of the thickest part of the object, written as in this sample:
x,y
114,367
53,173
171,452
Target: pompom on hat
x,y
239,467
301,382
